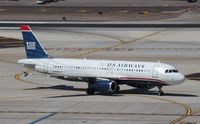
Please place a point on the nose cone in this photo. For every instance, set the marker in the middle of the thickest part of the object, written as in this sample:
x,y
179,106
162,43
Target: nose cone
x,y
179,78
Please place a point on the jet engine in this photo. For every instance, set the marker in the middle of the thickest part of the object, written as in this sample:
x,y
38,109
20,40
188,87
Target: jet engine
x,y
102,86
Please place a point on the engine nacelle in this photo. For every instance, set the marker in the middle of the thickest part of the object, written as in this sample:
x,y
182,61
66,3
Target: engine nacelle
x,y
105,86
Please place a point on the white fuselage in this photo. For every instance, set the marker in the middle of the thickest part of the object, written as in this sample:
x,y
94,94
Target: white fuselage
x,y
120,70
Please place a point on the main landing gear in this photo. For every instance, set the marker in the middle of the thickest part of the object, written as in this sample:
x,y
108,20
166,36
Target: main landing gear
x,y
90,91
160,91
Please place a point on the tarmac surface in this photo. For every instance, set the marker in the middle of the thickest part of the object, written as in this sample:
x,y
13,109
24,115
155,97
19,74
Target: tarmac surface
x,y
100,10
122,13
100,3
38,98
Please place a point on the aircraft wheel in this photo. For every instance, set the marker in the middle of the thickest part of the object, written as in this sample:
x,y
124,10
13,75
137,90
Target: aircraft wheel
x,y
90,91
160,93
117,89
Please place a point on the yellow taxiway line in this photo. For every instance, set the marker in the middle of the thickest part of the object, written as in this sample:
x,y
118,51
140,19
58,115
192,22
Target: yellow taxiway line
x,y
188,109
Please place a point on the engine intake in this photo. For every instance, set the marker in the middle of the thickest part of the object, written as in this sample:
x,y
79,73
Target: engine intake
x,y
105,86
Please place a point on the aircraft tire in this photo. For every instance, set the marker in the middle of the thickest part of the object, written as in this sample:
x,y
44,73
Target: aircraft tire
x,y
161,93
117,89
90,91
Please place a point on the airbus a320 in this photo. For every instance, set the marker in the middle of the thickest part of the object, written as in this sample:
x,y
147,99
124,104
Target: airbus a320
x,y
103,76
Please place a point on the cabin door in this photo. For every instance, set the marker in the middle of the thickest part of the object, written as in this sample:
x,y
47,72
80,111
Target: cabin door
x,y
155,72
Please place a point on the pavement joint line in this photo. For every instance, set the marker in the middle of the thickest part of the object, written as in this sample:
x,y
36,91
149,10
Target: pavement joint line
x,y
82,11
8,45
32,96
53,113
10,41
118,49
76,112
43,118
4,76
2,10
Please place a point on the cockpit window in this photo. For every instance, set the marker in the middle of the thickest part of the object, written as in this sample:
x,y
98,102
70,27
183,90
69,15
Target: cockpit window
x,y
175,71
171,71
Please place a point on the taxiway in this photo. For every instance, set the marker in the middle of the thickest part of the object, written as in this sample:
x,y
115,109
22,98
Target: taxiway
x,y
41,99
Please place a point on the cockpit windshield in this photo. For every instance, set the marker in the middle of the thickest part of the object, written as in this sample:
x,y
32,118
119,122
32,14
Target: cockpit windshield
x,y
171,71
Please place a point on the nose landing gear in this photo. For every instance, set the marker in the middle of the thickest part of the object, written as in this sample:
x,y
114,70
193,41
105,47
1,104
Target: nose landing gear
x,y
160,91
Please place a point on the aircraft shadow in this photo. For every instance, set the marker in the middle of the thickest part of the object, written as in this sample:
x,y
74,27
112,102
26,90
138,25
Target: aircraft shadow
x,y
58,87
70,88
120,93
78,95
149,92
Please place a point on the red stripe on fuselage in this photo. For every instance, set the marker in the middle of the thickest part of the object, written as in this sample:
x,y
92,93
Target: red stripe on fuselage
x,y
144,79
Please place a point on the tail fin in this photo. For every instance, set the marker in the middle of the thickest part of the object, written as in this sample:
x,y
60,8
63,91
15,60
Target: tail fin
x,y
32,46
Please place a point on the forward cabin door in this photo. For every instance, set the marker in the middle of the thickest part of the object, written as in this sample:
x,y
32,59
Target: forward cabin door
x,y
155,72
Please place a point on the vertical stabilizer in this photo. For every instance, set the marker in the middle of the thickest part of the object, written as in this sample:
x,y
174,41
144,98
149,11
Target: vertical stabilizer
x,y
32,46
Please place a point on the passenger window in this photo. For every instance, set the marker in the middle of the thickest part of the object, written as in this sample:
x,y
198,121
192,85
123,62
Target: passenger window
x,y
170,71
166,71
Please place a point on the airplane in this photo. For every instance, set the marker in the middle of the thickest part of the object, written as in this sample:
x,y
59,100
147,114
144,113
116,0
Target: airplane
x,y
102,76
